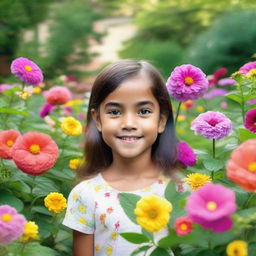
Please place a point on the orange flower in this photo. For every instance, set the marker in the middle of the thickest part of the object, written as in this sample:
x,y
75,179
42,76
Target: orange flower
x,y
241,167
35,153
103,218
7,139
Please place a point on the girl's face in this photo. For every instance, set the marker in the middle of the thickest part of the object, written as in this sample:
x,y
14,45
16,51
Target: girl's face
x,y
129,119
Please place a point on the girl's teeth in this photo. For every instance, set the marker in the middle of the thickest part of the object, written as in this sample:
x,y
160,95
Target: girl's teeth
x,y
129,138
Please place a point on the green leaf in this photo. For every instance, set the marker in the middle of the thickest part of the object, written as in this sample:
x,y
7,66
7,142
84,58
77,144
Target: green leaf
x,y
41,209
208,252
159,252
234,96
37,249
135,238
245,134
213,164
249,97
14,111
20,186
9,199
128,202
147,233
44,186
12,91
139,250
252,249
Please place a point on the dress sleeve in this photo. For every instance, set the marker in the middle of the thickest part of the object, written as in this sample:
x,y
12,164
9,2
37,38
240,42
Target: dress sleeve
x,y
80,209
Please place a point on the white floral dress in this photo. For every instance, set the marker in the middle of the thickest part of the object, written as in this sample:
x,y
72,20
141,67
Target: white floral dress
x,y
94,208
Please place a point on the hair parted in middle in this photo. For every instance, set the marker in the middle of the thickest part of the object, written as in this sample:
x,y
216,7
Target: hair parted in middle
x,y
98,155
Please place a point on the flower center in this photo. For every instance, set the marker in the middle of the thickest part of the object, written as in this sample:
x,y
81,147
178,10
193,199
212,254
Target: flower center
x,y
212,206
252,167
9,143
183,226
152,214
6,217
34,149
189,80
251,73
212,122
28,68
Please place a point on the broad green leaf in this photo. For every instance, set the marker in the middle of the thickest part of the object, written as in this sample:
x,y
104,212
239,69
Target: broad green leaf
x,y
128,202
44,186
208,252
213,164
37,249
252,249
41,209
20,186
160,252
139,250
234,96
245,134
14,111
148,234
249,97
9,199
60,174
135,238
12,91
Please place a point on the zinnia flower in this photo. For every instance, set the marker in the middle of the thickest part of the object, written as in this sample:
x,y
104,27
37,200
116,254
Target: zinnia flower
x,y
197,180
74,164
55,202
187,82
71,126
35,153
153,212
45,110
216,76
215,93
30,231
186,154
226,81
250,120
211,207
187,105
251,102
25,93
57,95
241,167
11,224
237,248
7,139
212,125
183,225
27,71
246,68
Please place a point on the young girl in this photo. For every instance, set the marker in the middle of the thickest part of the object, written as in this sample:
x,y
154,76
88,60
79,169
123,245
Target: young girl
x,y
130,147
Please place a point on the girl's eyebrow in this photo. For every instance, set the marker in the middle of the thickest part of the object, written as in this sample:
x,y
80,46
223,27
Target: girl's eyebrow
x,y
139,104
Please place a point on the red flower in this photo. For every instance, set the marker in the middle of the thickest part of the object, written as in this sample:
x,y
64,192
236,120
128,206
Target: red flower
x,y
7,139
58,95
183,225
35,153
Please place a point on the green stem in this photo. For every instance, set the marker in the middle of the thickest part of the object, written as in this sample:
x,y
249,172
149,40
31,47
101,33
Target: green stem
x,y
177,114
213,148
242,103
248,200
23,248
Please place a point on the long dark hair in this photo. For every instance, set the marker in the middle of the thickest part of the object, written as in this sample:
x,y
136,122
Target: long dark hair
x,y
98,155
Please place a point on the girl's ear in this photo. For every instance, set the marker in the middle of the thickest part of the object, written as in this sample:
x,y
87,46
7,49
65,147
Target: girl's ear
x,y
162,123
96,119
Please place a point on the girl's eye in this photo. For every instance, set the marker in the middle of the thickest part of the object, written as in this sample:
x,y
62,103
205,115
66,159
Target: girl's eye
x,y
114,112
145,111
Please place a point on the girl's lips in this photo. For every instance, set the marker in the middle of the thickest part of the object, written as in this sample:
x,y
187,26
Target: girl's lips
x,y
129,139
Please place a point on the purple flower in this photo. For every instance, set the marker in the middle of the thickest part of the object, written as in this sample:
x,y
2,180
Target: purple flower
x,y
226,81
45,110
187,82
215,93
4,87
186,154
11,224
211,207
247,67
251,102
250,120
27,71
212,125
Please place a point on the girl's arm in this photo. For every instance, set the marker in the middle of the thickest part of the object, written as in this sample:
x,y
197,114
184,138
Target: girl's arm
x,y
83,244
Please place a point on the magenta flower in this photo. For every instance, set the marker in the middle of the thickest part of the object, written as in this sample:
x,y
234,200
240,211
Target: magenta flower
x,y
217,75
11,224
27,71
226,81
187,82
247,67
212,125
206,207
215,93
45,110
186,154
250,120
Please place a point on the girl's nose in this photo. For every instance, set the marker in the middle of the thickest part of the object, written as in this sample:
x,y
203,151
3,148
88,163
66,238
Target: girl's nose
x,y
129,122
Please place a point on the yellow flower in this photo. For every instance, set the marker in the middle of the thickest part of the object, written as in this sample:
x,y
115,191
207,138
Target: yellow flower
x,y
74,102
97,247
71,126
197,180
153,212
237,248
109,250
75,164
37,90
200,108
181,118
251,73
55,202
30,231
26,92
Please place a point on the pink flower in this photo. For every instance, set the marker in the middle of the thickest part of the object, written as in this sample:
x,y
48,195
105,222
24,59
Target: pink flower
x,y
27,71
247,67
183,225
4,87
186,154
206,207
212,125
7,139
58,95
187,82
215,93
11,224
250,120
223,104
35,153
226,81
251,102
45,110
